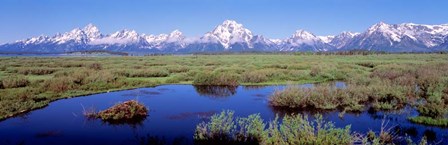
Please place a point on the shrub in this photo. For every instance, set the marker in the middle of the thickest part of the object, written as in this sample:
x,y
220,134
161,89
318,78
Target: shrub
x,y
295,129
177,69
298,67
443,122
14,82
250,129
387,135
278,66
319,97
146,73
433,110
383,94
298,129
72,64
177,79
429,77
95,66
79,77
102,76
389,74
253,77
387,96
58,85
367,64
315,70
128,110
36,71
220,79
326,73
220,127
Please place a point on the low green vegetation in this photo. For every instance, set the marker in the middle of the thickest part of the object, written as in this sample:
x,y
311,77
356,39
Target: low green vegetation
x,y
294,129
385,87
14,82
224,128
430,121
219,79
380,95
381,81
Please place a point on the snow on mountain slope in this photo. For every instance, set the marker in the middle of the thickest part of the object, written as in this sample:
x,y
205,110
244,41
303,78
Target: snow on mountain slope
x,y
340,40
233,36
229,32
303,40
399,37
326,39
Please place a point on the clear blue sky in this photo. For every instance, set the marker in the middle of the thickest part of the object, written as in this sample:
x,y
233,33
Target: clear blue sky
x,y
21,19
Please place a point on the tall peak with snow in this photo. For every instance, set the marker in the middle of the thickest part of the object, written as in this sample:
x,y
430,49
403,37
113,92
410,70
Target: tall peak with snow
x,y
302,34
233,36
176,33
91,31
381,26
229,32
90,28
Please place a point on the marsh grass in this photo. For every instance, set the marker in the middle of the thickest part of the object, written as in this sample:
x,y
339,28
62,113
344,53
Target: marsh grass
x,y
35,71
142,73
381,95
95,66
429,121
254,77
218,79
14,82
296,129
226,128
318,97
380,81
386,135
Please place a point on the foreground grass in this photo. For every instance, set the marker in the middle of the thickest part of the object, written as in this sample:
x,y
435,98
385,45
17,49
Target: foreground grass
x,y
29,83
224,128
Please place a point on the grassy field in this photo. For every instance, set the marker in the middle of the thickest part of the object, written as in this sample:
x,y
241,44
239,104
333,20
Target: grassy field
x,y
386,81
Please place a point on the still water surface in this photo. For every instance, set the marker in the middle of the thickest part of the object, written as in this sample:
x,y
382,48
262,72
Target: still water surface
x,y
174,112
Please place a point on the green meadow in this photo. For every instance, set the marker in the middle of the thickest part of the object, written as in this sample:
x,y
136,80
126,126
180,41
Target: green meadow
x,y
380,81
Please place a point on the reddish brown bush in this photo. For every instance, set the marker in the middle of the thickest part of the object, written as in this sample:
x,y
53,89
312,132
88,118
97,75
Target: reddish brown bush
x,y
96,66
14,82
124,111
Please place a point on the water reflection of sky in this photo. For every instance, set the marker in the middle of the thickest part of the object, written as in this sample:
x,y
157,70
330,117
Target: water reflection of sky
x,y
174,112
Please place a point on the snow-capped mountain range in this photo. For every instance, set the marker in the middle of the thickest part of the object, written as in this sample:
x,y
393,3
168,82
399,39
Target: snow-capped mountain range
x,y
232,36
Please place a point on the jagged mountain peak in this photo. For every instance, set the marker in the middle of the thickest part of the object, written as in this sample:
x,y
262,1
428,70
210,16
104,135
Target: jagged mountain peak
x,y
126,33
302,34
349,34
326,39
381,26
92,32
230,26
303,40
233,36
231,23
176,33
228,33
90,28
